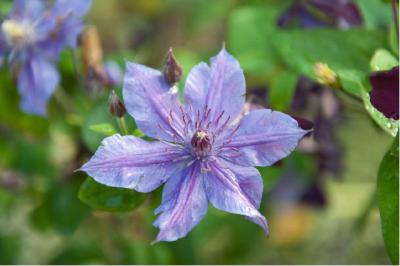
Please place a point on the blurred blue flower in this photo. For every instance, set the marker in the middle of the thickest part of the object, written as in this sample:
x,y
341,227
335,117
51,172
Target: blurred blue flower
x,y
205,151
31,38
113,73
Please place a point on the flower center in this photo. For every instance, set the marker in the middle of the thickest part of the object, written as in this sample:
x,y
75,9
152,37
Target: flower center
x,y
201,143
17,33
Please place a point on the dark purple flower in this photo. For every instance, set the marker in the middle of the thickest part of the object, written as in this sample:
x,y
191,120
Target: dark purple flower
x,y
202,153
385,92
31,38
321,13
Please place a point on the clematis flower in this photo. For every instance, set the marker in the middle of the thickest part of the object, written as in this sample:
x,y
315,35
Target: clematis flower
x,y
201,151
31,38
385,92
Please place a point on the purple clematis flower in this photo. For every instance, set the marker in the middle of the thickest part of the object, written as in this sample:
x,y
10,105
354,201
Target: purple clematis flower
x,y
202,152
31,38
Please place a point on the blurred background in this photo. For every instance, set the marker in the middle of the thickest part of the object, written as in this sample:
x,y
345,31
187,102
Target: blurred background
x,y
320,201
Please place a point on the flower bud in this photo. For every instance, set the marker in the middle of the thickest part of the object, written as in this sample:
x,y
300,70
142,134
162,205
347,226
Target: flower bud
x,y
115,105
325,75
172,70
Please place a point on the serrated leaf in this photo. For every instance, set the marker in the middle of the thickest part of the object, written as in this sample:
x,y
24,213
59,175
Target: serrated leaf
x,y
388,200
101,197
104,128
383,60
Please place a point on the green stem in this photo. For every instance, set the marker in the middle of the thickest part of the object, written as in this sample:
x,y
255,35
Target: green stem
x,y
395,8
361,220
122,126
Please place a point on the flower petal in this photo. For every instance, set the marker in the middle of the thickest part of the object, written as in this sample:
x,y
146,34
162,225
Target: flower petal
x,y
249,180
77,7
130,162
27,9
224,192
37,81
183,206
66,35
152,102
264,137
210,86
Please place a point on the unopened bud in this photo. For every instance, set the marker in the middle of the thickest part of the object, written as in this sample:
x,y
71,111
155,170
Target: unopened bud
x,y
172,70
115,105
325,75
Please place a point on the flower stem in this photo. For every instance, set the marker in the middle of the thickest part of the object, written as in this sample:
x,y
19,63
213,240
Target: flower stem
x,y
395,8
122,126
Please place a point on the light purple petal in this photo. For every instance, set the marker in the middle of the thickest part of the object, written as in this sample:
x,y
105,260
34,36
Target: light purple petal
x,y
37,81
224,192
183,206
130,162
152,102
31,9
113,72
264,137
220,87
66,36
77,7
250,181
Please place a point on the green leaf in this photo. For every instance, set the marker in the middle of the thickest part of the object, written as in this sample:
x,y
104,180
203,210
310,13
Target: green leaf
x,y
351,81
101,197
250,34
60,209
393,40
138,133
282,90
388,200
350,49
375,13
104,128
99,114
383,60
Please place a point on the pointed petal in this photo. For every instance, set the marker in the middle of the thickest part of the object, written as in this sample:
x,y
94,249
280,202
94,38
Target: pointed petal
x,y
37,81
225,193
196,87
221,87
183,206
130,162
249,180
264,137
152,102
